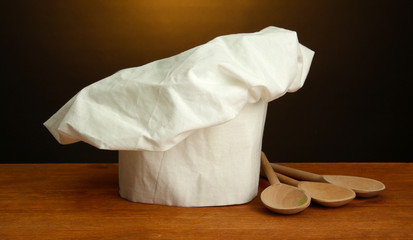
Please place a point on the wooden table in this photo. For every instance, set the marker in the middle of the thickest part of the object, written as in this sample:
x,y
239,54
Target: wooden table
x,y
81,201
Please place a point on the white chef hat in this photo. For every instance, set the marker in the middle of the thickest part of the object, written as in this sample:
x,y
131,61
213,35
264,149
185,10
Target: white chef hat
x,y
189,128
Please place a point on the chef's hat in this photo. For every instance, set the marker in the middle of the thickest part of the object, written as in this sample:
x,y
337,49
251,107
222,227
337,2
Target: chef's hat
x,y
189,127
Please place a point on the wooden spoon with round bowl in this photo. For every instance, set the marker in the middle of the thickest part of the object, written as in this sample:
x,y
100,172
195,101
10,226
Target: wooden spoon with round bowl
x,y
282,198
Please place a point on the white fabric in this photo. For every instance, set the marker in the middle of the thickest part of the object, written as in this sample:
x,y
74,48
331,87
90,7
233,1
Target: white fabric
x,y
189,128
155,106
214,166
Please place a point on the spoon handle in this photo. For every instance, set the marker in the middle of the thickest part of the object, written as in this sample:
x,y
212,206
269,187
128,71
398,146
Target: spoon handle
x,y
269,172
298,174
287,180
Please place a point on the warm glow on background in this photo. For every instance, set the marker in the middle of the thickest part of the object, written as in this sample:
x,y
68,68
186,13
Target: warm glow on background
x,y
353,107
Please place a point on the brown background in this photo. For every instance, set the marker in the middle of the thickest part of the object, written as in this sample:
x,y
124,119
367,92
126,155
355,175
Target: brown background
x,y
353,107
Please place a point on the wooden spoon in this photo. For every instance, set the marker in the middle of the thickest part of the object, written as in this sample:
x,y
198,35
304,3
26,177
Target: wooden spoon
x,y
326,194
363,187
282,198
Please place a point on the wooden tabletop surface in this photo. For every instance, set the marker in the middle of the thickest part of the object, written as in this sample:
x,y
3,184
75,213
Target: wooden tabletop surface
x,y
81,201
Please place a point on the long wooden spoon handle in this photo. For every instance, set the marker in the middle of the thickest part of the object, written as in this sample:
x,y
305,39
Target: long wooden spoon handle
x,y
287,180
269,172
298,174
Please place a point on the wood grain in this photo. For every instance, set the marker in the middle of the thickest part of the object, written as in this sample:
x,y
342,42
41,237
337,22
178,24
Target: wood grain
x,y
81,201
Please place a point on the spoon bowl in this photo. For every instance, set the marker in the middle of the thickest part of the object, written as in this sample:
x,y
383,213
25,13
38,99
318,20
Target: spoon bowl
x,y
326,194
284,199
364,187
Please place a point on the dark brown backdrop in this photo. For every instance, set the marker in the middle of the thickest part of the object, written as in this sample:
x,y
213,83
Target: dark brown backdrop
x,y
353,107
